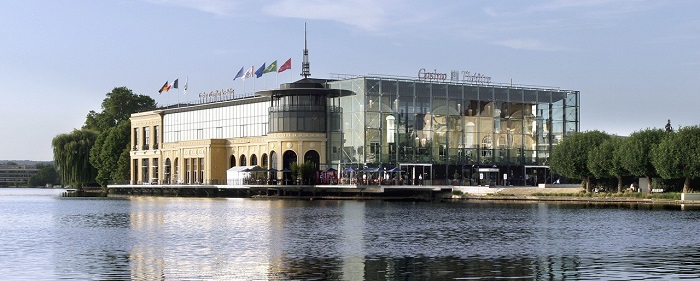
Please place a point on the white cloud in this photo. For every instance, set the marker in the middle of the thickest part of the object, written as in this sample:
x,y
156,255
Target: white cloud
x,y
527,44
366,14
216,7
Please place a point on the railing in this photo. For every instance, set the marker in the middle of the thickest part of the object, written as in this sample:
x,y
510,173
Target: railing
x,y
275,182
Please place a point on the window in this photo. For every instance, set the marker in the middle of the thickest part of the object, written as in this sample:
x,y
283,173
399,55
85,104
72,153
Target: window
x,y
486,143
144,170
187,170
201,170
155,170
156,138
146,137
136,138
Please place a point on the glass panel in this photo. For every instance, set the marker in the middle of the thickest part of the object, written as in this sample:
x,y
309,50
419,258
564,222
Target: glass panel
x,y
558,98
515,95
439,90
500,94
571,114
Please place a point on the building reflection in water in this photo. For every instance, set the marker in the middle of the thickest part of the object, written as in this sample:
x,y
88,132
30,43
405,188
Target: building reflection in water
x,y
199,238
370,240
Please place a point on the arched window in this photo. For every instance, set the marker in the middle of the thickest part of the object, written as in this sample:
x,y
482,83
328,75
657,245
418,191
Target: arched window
x,y
243,161
313,157
273,160
167,172
232,161
263,160
253,160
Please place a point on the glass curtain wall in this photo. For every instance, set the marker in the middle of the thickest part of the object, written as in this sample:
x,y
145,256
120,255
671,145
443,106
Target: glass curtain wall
x,y
456,128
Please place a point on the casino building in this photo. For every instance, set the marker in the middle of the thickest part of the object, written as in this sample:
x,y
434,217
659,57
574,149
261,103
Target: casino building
x,y
460,129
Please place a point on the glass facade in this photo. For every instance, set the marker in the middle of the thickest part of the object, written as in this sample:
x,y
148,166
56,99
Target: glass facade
x,y
456,128
298,113
235,121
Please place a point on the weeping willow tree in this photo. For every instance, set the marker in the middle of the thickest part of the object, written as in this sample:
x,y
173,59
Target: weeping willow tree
x,y
71,154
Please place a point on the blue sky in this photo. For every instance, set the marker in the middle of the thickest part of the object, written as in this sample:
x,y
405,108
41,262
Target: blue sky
x,y
636,62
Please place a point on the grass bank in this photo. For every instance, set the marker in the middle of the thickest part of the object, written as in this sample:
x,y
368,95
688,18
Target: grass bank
x,y
631,195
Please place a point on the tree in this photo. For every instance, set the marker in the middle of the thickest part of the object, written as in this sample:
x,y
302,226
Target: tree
x,y
116,107
106,153
570,157
71,154
303,173
114,127
47,175
605,161
307,171
678,155
635,153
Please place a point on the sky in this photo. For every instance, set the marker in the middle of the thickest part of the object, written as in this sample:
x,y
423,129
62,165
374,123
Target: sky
x,y
635,62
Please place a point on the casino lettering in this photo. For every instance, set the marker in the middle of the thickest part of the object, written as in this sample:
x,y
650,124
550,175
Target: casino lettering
x,y
424,75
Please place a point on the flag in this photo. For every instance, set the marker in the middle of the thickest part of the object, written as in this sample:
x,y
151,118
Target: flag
x,y
175,84
239,74
165,87
248,73
271,68
287,65
260,70
186,80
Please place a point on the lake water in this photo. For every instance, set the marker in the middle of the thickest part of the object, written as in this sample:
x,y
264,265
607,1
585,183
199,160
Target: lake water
x,y
45,237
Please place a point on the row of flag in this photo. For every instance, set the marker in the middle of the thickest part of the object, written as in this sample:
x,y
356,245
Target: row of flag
x,y
241,74
263,69
167,86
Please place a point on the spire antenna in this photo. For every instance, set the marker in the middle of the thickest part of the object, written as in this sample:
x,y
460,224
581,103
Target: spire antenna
x,y
305,70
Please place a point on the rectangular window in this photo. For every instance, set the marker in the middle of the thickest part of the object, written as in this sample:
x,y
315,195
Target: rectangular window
x,y
144,171
155,170
146,137
201,170
156,137
136,138
195,167
187,171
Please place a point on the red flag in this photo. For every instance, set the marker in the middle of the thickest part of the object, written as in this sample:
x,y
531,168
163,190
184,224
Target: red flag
x,y
165,87
287,65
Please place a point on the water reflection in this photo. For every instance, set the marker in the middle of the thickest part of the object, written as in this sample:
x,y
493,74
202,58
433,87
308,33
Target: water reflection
x,y
245,239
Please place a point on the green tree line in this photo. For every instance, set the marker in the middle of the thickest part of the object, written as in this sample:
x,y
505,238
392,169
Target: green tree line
x,y
650,153
98,152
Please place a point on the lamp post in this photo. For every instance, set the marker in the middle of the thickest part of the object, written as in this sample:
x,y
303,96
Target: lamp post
x,y
396,130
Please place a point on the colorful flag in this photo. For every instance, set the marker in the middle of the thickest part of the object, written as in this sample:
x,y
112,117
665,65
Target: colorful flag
x,y
175,84
165,87
287,65
248,73
271,68
260,70
239,74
